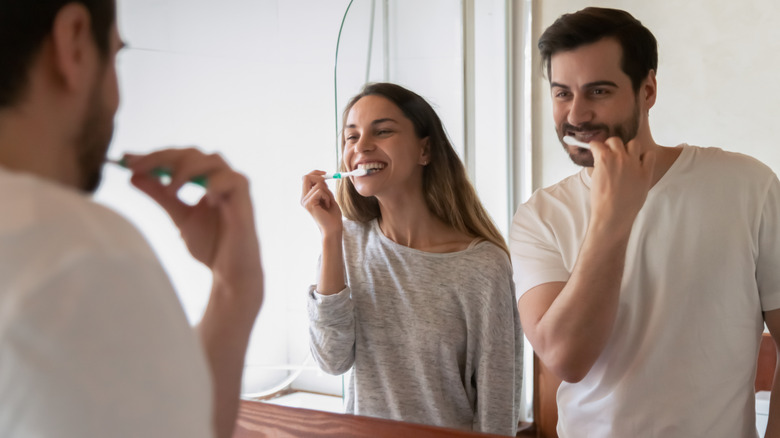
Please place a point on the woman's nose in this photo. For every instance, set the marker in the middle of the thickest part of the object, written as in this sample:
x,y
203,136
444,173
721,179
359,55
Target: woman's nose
x,y
364,144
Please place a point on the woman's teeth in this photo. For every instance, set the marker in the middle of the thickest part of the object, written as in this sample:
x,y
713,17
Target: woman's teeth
x,y
371,166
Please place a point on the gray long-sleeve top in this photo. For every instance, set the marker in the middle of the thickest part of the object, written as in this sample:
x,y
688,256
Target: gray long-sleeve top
x,y
431,338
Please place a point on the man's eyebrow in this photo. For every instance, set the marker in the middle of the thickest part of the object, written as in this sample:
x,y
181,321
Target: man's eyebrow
x,y
588,85
600,84
375,122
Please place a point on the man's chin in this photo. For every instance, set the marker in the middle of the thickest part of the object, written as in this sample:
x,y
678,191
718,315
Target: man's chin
x,y
582,157
579,156
92,183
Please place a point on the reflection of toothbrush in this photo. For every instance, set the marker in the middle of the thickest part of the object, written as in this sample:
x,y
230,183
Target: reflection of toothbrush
x,y
568,139
162,172
356,172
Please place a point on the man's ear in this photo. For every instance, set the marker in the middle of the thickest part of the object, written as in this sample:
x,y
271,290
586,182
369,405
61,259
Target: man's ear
x,y
73,46
649,89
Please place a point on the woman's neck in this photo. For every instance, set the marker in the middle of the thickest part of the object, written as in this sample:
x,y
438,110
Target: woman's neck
x,y
410,223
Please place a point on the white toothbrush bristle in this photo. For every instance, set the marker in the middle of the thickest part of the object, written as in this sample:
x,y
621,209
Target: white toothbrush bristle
x,y
568,139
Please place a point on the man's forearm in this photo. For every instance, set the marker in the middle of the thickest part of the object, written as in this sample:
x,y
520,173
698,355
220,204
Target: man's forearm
x,y
572,333
773,425
224,332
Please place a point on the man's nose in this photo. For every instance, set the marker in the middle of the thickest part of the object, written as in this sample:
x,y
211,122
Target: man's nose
x,y
580,111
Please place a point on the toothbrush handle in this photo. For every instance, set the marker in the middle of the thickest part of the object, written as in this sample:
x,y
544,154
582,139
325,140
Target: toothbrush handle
x,y
200,180
163,172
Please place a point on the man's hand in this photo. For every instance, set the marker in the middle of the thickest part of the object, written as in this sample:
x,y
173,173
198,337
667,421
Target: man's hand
x,y
219,232
622,176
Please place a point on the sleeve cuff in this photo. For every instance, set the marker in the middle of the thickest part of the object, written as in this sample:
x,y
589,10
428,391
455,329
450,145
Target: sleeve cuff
x,y
322,299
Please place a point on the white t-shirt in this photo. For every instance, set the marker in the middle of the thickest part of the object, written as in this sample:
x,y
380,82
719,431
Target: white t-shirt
x,y
703,262
93,340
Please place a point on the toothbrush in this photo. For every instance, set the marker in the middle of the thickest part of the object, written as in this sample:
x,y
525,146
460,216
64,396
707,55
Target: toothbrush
x,y
342,175
568,139
162,172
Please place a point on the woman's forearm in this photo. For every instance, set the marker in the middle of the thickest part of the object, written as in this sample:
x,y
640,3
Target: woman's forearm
x,y
331,279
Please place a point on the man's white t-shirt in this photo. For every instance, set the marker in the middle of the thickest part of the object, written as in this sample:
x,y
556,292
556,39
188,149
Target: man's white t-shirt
x,y
93,340
703,262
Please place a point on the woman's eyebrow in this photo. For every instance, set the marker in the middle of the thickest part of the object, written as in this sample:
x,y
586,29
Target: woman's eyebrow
x,y
375,122
386,119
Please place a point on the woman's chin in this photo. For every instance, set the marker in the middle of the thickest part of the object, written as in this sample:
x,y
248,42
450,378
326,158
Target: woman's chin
x,y
364,191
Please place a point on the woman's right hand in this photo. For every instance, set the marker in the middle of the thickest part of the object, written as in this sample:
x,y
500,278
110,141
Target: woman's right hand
x,y
320,202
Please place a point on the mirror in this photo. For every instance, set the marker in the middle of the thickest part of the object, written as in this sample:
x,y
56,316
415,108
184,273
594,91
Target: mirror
x,y
253,79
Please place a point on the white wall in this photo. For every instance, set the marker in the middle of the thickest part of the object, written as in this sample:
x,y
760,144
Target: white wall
x,y
717,77
252,80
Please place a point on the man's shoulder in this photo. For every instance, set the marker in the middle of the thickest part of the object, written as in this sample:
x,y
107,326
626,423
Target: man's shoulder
x,y
572,183
565,195
57,216
723,159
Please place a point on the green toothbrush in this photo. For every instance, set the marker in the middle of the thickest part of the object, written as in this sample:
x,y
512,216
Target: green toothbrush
x,y
163,172
356,172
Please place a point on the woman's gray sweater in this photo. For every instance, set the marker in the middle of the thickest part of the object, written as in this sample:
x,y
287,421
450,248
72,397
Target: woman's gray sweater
x,y
430,338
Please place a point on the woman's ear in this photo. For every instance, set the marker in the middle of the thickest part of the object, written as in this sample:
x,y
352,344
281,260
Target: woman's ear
x,y
425,151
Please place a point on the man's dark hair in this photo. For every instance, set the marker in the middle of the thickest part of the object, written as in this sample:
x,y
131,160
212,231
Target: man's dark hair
x,y
24,24
570,31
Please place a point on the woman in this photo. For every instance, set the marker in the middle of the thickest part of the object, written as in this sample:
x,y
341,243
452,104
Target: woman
x,y
415,290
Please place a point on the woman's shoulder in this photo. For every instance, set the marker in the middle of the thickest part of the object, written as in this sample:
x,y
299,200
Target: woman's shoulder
x,y
354,230
357,236
486,256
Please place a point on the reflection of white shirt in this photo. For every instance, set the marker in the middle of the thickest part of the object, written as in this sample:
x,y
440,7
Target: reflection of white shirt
x,y
93,341
702,264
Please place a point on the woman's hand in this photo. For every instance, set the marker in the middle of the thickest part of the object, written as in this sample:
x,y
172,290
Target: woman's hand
x,y
321,204
319,201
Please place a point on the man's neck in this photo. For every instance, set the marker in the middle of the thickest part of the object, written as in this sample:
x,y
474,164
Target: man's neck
x,y
664,159
27,145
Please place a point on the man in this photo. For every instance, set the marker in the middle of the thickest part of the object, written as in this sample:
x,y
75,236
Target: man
x,y
93,342
647,277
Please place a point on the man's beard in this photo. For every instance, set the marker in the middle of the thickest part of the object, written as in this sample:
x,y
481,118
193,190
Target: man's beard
x,y
625,131
92,141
